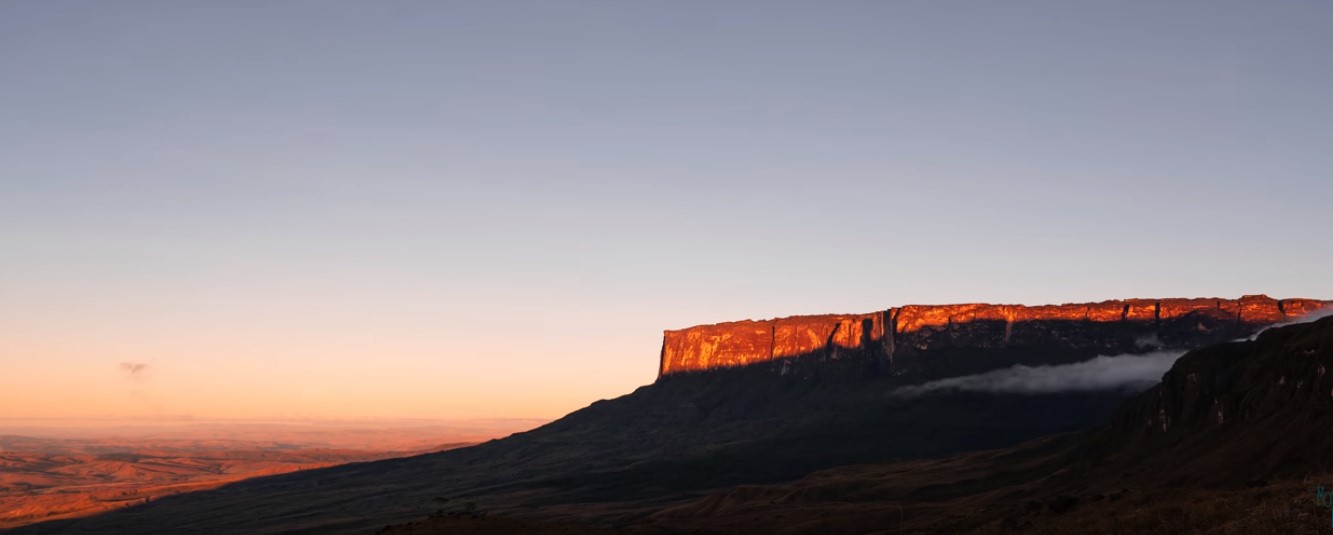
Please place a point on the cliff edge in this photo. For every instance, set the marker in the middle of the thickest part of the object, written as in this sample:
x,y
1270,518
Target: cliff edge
x,y
893,338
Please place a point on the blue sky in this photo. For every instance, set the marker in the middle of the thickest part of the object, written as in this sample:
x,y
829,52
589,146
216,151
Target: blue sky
x,y
495,207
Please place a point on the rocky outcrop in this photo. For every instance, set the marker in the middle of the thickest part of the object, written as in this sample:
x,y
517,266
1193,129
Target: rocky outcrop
x,y
1233,413
897,336
748,342
1282,372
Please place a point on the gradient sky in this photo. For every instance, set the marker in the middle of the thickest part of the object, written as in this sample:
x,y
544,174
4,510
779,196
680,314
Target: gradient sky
x,y
493,209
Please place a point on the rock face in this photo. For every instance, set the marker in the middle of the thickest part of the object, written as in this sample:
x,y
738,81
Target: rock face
x,y
899,338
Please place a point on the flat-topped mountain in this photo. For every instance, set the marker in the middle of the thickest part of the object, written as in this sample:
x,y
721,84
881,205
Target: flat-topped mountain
x,y
897,337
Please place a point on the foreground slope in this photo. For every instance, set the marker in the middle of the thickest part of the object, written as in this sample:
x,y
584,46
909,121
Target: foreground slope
x,y
616,460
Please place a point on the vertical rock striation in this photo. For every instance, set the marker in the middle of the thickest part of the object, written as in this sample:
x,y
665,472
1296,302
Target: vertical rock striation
x,y
900,336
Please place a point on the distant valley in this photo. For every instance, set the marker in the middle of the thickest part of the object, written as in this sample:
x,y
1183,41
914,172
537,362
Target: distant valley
x,y
79,471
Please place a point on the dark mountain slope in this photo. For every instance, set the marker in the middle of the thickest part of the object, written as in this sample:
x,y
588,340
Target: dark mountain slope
x,y
663,444
1236,412
1233,440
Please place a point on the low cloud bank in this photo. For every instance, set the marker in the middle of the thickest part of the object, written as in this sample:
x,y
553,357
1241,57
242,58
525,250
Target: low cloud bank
x,y
1100,373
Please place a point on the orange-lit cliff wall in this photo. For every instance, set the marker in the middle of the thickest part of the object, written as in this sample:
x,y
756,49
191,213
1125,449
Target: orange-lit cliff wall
x,y
747,342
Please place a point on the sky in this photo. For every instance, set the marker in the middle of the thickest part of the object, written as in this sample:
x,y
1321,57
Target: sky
x,y
493,209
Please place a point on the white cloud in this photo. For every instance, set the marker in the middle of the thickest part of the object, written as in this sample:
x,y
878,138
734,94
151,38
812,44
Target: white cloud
x,y
1100,373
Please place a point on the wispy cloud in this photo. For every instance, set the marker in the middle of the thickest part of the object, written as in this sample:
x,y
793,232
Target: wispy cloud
x,y
135,370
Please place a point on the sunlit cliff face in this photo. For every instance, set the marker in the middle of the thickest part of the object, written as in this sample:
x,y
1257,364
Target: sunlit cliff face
x,y
883,333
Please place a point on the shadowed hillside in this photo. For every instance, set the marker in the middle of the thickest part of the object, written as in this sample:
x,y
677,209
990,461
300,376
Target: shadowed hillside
x,y
1234,440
